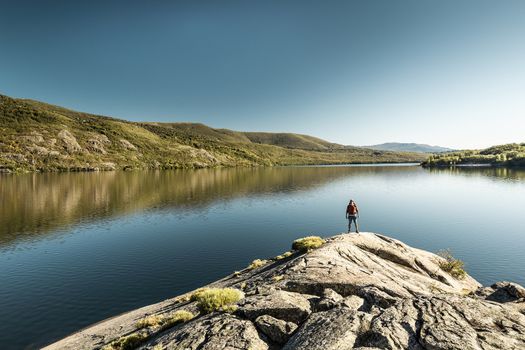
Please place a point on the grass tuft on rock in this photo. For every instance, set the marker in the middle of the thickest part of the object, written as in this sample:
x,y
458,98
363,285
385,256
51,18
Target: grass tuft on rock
x,y
257,263
283,256
451,265
277,278
307,243
165,321
150,321
129,342
216,299
177,317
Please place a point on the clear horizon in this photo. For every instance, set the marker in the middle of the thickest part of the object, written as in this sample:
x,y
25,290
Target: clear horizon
x,y
351,72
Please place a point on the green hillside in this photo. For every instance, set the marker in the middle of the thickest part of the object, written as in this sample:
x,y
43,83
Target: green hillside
x,y
511,155
36,136
289,140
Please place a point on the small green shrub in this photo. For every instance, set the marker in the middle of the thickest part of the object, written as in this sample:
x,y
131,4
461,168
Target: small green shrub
x,y
307,243
216,299
257,263
451,265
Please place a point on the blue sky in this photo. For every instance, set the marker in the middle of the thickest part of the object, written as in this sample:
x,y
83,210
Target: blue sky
x,y
354,72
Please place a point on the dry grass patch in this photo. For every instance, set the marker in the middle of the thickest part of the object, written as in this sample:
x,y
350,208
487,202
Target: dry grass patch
x,y
307,243
150,321
165,321
277,278
217,299
257,263
177,317
283,256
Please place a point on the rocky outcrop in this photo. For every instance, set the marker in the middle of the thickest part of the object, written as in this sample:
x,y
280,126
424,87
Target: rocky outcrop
x,y
33,137
127,145
503,292
97,143
359,291
277,330
70,141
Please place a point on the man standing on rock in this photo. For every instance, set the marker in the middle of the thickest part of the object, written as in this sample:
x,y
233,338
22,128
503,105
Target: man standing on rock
x,y
352,213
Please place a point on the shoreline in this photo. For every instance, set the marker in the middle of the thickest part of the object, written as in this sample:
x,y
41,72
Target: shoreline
x,y
491,166
212,167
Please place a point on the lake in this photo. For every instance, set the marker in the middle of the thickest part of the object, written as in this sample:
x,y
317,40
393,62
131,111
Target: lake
x,y
76,248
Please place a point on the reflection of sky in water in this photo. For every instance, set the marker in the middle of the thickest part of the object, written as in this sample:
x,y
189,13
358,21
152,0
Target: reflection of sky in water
x,y
84,270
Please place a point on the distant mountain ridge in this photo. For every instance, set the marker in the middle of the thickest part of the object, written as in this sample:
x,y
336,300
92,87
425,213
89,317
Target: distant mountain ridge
x,y
36,136
409,147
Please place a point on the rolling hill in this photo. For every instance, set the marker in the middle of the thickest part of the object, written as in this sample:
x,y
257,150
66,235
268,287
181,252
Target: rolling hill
x,y
35,136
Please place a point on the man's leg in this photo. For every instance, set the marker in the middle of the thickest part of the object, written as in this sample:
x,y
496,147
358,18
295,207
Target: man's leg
x,y
356,225
349,224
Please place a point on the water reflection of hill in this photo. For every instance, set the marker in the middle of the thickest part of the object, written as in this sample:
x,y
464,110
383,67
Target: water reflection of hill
x,y
34,204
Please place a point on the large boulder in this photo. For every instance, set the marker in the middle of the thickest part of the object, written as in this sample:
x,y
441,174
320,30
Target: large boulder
x,y
503,292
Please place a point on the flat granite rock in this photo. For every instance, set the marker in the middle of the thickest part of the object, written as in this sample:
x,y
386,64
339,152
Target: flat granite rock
x,y
357,291
211,332
335,329
288,306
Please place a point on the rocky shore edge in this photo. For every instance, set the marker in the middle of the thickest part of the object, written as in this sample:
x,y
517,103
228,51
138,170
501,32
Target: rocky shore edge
x,y
350,291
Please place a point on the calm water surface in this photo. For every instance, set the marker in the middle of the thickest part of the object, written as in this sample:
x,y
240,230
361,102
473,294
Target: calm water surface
x,y
78,248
